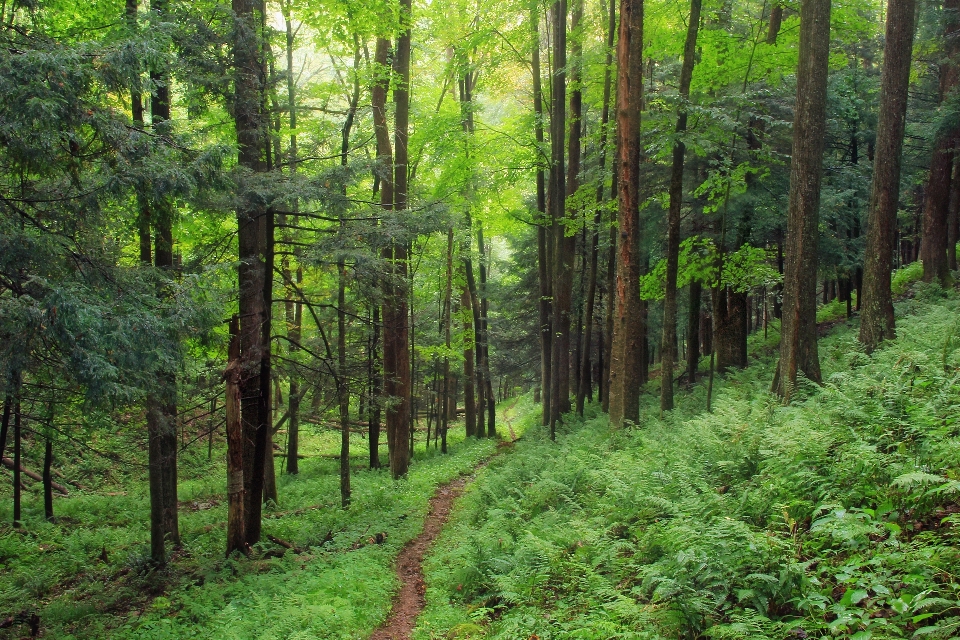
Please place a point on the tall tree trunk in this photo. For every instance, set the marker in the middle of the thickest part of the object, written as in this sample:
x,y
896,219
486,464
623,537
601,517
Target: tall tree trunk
x,y
730,328
669,339
396,342
953,213
447,304
48,475
798,342
343,389
236,520
876,305
585,368
544,266
693,331
250,128
17,446
293,310
471,324
562,249
491,401
375,391
933,245
628,350
469,398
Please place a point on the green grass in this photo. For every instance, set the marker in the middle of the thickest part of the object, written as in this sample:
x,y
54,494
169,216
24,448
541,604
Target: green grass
x,y
339,586
834,517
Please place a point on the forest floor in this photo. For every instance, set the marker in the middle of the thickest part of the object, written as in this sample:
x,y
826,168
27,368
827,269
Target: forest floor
x,y
410,599
835,516
88,575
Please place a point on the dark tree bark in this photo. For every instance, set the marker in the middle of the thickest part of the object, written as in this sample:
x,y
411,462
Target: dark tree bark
x,y
585,368
468,297
629,332
469,399
876,315
730,328
693,331
385,160
343,389
669,338
953,214
5,422
396,339
448,391
491,401
561,249
544,266
48,476
17,463
798,343
236,520
933,245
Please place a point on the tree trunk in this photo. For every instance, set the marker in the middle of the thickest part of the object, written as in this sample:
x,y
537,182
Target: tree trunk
x,y
585,386
627,351
236,520
17,445
729,328
544,266
48,476
933,245
396,353
953,214
876,315
447,304
798,342
485,342
469,399
669,338
556,206
693,331
343,390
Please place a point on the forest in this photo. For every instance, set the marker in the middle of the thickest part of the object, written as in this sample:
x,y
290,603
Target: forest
x,y
536,319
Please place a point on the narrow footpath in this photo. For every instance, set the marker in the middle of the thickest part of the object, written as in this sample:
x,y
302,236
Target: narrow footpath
x,y
411,599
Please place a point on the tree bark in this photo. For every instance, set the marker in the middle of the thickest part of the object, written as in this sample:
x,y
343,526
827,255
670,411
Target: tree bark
x,y
236,520
933,245
693,331
628,350
876,315
669,338
491,401
953,214
798,343
396,343
17,445
447,304
585,381
561,258
544,266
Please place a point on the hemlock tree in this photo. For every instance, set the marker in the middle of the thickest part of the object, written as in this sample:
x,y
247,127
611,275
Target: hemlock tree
x,y
798,342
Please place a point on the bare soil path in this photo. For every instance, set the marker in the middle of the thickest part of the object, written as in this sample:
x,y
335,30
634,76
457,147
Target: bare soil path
x,y
410,600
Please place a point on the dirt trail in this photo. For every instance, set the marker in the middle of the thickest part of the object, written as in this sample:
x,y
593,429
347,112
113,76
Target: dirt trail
x,y
410,600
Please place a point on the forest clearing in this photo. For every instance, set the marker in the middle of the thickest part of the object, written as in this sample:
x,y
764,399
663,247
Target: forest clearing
x,y
516,319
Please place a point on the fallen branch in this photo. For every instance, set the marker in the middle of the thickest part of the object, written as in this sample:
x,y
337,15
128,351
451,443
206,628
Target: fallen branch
x,y
8,463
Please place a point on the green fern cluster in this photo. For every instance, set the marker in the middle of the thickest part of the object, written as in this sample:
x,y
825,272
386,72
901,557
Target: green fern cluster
x,y
832,517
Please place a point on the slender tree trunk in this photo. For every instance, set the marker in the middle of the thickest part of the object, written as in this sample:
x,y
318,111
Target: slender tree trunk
x,y
17,445
933,245
544,266
48,476
485,341
396,358
693,331
669,339
236,520
379,89
447,304
798,342
953,214
469,399
585,386
628,350
471,326
343,389
562,247
876,315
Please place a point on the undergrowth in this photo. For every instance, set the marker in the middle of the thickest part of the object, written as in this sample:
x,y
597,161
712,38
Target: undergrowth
x,y
836,516
89,575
